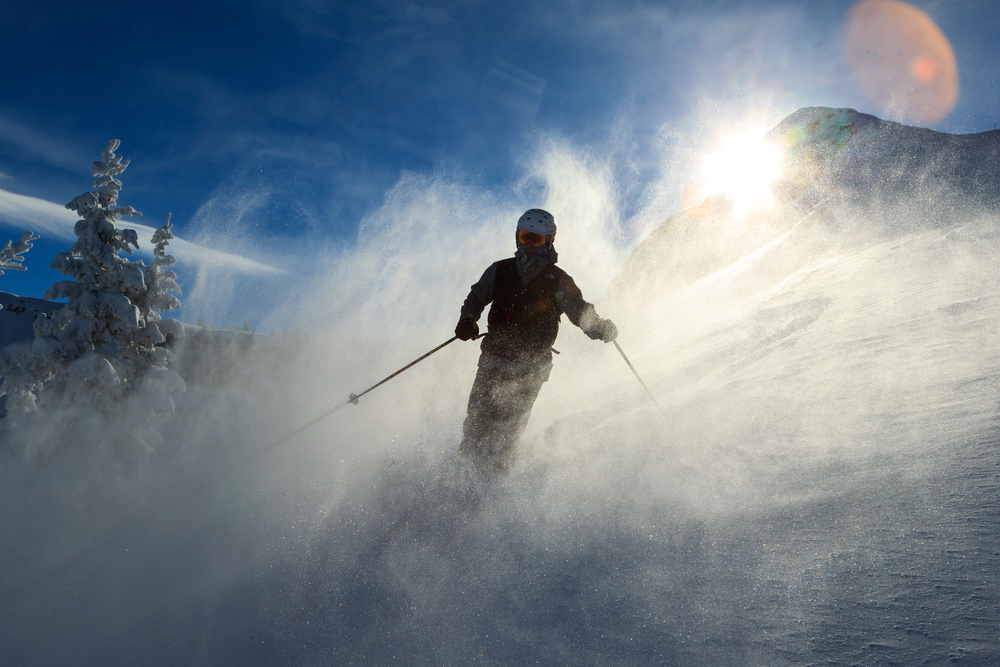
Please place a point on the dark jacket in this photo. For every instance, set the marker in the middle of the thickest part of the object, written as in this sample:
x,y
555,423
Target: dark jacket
x,y
524,318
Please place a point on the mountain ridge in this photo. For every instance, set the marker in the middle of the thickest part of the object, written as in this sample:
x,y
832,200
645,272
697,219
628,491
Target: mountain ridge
x,y
845,174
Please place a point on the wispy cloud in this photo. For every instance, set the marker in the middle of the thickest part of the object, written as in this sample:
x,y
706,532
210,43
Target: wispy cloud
x,y
41,145
52,220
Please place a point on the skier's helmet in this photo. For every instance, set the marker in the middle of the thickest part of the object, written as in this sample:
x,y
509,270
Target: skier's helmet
x,y
538,221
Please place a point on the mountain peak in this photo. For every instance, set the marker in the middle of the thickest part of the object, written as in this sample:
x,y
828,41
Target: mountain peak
x,y
861,156
814,135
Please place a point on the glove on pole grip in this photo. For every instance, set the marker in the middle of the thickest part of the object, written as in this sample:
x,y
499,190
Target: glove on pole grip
x,y
467,329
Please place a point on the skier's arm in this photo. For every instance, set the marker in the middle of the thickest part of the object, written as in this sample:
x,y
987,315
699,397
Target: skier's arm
x,y
582,313
479,297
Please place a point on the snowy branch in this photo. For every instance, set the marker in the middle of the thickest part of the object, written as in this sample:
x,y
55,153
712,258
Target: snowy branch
x,y
11,254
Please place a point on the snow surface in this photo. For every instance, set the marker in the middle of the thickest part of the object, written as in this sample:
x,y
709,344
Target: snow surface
x,y
18,316
823,489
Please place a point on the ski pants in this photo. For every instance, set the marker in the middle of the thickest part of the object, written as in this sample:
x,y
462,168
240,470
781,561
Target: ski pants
x,y
499,405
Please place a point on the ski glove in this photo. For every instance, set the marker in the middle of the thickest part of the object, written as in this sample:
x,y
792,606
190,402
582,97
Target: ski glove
x,y
467,329
603,330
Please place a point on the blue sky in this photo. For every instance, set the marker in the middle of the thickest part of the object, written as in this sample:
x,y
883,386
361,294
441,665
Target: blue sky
x,y
272,130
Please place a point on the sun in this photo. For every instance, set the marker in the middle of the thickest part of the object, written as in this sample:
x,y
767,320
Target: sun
x,y
742,167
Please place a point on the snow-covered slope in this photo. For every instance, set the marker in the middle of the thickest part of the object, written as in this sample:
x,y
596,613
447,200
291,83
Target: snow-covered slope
x,y
823,488
17,319
18,316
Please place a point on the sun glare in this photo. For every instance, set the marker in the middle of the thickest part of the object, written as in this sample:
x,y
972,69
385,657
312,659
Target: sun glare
x,y
742,167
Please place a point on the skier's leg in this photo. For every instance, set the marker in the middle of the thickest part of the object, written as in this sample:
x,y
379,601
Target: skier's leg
x,y
499,406
483,413
520,395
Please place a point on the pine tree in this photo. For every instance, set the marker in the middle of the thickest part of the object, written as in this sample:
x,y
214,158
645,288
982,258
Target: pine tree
x,y
161,283
100,348
93,335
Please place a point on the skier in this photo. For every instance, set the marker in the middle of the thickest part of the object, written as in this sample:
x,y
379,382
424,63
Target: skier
x,y
529,294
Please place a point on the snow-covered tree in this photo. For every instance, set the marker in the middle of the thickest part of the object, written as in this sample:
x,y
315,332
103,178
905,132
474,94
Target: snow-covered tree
x,y
99,348
161,284
95,334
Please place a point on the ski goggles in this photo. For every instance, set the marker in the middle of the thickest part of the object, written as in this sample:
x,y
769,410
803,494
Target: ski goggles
x,y
525,237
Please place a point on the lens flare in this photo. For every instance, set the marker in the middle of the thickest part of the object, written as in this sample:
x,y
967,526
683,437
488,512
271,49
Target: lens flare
x,y
924,69
742,167
902,60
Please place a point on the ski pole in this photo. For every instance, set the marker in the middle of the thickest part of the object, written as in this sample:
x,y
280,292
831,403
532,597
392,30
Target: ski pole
x,y
353,398
634,372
